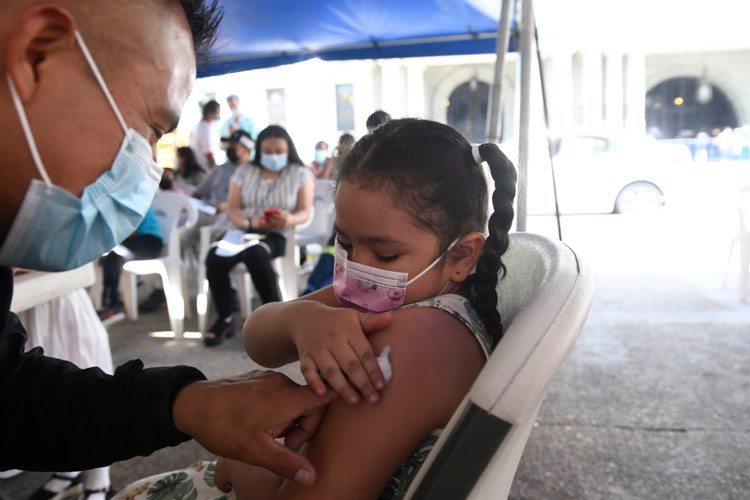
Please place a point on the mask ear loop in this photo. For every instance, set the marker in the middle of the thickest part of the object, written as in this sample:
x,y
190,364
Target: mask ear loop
x,y
434,263
27,130
100,80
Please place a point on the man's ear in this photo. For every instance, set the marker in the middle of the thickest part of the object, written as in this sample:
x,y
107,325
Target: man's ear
x,y
41,31
464,256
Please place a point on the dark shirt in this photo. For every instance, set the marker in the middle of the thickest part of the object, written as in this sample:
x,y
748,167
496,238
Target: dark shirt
x,y
56,417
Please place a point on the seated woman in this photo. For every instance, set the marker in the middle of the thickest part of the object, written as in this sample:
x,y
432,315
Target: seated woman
x,y
189,172
269,195
411,214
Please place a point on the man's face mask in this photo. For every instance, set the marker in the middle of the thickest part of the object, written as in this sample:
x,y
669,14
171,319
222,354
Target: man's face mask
x,y
57,231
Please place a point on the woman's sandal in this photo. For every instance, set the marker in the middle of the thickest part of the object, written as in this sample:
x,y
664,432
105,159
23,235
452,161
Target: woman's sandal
x,y
105,493
74,486
219,331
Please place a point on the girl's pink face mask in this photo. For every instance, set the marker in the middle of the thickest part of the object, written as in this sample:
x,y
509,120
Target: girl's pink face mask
x,y
370,289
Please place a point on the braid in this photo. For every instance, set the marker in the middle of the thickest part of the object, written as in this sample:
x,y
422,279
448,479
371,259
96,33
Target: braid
x,y
483,285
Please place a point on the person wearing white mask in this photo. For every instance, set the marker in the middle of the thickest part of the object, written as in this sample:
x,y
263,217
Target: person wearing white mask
x,y
267,196
77,177
238,121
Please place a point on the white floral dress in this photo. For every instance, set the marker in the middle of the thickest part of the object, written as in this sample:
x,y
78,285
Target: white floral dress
x,y
197,482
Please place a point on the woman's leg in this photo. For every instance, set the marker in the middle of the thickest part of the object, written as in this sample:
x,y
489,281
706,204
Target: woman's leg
x,y
217,274
111,266
258,261
144,246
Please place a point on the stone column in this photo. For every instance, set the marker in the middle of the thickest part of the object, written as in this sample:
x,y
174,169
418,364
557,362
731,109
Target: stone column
x,y
591,89
613,91
635,93
559,87
415,94
393,88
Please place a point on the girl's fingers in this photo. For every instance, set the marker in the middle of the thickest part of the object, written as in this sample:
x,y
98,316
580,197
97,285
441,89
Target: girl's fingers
x,y
312,375
348,359
335,378
370,363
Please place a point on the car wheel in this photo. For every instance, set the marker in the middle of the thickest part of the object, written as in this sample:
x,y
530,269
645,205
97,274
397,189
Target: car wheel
x,y
639,198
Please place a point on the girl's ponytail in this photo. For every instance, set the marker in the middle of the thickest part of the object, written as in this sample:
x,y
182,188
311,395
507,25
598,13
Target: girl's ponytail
x,y
483,286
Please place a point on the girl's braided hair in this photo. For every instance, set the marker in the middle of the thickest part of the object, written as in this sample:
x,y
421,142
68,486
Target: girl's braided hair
x,y
429,171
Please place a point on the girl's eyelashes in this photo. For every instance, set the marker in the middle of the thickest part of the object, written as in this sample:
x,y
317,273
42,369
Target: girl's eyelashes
x,y
383,258
380,258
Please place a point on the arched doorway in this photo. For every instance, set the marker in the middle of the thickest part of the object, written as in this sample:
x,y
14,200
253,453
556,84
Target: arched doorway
x,y
684,107
467,109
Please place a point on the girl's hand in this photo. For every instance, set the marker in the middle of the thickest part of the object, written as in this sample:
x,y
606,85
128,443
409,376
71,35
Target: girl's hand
x,y
278,219
333,344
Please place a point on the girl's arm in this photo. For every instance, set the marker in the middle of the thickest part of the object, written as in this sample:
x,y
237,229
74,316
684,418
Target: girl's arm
x,y
357,448
269,330
325,338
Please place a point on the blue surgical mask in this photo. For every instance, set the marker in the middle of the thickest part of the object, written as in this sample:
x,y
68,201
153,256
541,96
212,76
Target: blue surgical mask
x,y
321,155
274,163
57,231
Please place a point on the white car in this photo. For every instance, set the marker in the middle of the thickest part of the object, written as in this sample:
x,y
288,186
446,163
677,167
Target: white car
x,y
599,174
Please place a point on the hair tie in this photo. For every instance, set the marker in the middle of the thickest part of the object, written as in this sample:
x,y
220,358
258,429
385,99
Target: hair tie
x,y
475,153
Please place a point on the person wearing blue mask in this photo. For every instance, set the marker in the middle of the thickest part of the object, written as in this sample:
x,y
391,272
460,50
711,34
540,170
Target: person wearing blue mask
x,y
268,196
322,164
77,177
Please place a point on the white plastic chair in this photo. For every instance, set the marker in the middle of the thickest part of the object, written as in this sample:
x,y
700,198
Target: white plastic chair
x,y
318,231
743,239
544,302
33,288
175,213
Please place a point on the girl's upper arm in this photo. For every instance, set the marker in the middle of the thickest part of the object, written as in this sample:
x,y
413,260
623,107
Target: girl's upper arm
x,y
306,194
358,448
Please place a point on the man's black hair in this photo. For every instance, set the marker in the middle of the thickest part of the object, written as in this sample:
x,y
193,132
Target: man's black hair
x,y
377,119
204,17
210,107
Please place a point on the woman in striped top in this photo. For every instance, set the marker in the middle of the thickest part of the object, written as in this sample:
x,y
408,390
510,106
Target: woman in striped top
x,y
269,196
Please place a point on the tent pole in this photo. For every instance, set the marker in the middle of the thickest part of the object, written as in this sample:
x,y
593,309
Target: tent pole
x,y
493,116
527,40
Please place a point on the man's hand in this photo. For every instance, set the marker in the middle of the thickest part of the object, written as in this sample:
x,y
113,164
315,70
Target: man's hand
x,y
240,418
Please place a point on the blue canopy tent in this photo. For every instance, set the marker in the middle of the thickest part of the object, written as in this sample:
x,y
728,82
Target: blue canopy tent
x,y
267,33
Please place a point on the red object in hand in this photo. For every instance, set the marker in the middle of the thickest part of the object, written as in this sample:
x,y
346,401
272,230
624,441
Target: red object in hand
x,y
267,213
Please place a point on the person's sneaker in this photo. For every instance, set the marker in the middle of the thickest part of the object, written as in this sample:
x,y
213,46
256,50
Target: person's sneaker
x,y
153,302
70,486
110,315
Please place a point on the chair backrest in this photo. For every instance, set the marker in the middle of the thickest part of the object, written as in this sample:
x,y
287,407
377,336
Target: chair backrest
x,y
173,210
544,301
321,223
743,206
